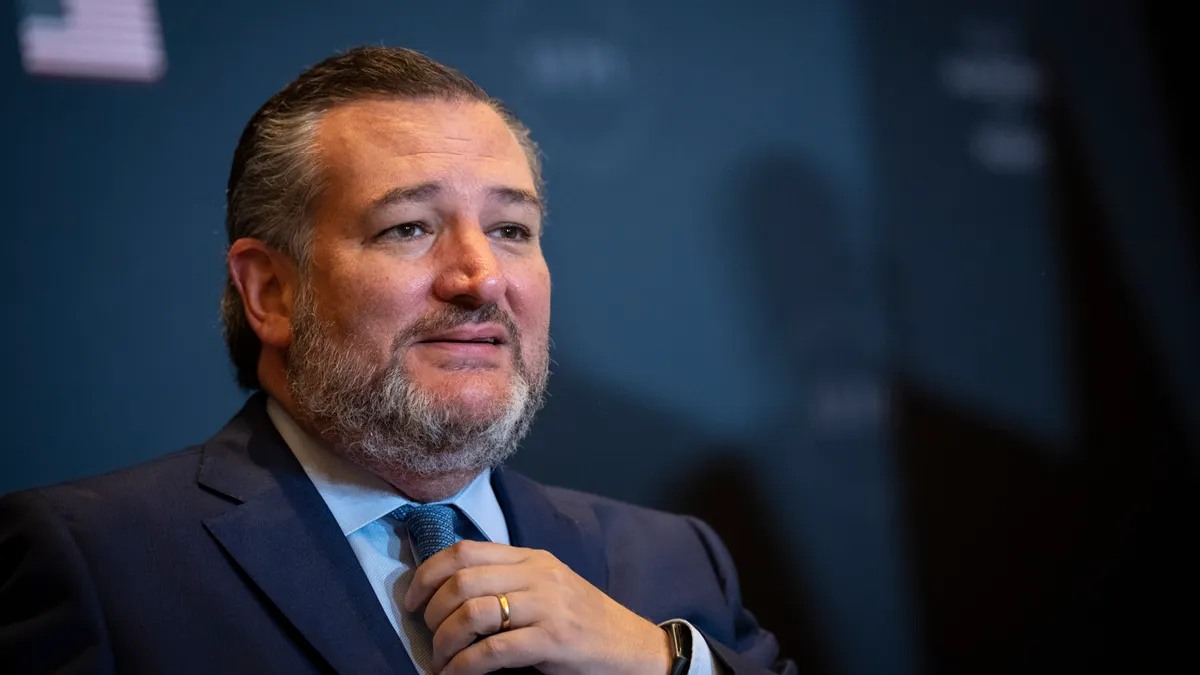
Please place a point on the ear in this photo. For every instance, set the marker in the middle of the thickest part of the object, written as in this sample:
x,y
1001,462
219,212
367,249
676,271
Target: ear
x,y
266,280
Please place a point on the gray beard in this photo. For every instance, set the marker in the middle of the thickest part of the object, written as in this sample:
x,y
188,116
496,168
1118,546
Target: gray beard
x,y
381,420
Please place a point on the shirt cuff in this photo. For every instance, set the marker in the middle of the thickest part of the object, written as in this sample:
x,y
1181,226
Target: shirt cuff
x,y
701,661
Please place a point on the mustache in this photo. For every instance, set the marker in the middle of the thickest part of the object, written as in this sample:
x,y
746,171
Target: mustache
x,y
452,317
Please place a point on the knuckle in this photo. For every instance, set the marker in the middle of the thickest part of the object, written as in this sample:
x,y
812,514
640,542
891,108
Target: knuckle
x,y
464,551
430,617
455,584
466,581
477,612
441,642
458,551
552,637
420,577
555,575
552,632
496,647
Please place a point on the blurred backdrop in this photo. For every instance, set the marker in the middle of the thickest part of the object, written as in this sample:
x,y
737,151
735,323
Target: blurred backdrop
x,y
912,286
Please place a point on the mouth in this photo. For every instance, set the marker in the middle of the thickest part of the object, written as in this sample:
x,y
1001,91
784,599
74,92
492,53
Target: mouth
x,y
488,334
480,341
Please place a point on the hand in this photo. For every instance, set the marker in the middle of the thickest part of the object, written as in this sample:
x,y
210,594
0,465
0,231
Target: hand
x,y
559,622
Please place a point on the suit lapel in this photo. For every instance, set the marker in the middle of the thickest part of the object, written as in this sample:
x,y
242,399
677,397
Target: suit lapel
x,y
535,521
284,538
282,535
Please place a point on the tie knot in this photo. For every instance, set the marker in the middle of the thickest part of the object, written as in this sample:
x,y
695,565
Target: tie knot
x,y
432,527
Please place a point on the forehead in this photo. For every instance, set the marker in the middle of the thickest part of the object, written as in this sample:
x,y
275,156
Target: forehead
x,y
372,146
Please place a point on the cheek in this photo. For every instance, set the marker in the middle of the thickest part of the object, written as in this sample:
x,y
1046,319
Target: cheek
x,y
375,305
530,299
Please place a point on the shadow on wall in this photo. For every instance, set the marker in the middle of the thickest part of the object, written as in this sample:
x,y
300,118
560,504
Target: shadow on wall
x,y
595,439
803,500
1031,560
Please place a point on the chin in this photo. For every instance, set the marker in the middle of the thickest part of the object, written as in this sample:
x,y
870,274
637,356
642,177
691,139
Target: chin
x,y
480,401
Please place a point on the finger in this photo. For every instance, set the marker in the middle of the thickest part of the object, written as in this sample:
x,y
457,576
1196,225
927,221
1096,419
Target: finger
x,y
433,572
518,648
479,617
474,582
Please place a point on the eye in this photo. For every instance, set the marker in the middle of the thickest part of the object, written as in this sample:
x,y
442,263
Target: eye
x,y
405,231
511,231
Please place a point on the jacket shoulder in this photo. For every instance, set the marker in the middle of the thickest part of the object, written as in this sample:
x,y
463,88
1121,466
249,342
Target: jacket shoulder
x,y
609,511
126,495
662,535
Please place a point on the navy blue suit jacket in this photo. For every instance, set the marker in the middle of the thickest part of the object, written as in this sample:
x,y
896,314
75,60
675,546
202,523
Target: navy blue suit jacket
x,y
224,559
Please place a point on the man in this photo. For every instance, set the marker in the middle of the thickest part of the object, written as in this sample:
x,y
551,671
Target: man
x,y
388,298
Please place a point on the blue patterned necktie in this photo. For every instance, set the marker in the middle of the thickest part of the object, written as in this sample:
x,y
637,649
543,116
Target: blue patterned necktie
x,y
431,527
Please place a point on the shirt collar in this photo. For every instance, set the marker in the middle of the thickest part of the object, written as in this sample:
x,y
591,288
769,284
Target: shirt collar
x,y
357,497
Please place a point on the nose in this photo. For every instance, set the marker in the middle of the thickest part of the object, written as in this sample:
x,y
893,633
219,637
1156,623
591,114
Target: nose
x,y
468,271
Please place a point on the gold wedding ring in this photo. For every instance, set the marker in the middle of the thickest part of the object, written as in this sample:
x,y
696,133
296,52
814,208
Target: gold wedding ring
x,y
505,624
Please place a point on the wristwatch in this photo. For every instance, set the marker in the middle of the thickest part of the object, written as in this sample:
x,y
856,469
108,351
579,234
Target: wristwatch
x,y
681,646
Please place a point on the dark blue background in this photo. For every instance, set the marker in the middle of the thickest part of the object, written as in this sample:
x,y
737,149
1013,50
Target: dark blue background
x,y
774,225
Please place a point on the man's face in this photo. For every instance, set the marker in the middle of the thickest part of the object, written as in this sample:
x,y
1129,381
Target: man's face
x,y
426,260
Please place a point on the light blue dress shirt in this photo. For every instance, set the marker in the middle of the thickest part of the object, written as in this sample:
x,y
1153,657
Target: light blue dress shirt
x,y
361,503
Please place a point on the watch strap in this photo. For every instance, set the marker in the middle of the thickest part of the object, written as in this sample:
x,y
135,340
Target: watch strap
x,y
680,639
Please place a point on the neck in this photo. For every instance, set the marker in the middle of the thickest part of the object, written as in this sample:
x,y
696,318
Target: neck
x,y
420,489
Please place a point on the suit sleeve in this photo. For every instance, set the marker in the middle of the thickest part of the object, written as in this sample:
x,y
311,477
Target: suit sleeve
x,y
754,650
50,616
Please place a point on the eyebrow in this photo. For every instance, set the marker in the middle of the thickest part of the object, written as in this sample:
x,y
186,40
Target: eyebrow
x,y
417,194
